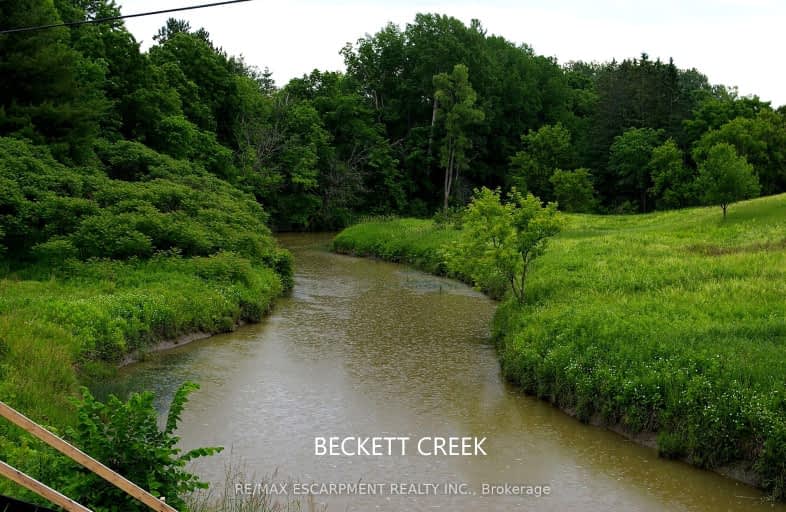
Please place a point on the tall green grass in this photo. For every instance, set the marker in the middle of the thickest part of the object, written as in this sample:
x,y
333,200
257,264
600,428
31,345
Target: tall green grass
x,y
59,330
672,322
416,242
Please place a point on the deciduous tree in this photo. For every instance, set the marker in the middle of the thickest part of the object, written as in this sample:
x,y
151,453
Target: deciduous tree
x,y
628,158
673,183
456,111
573,190
726,177
545,150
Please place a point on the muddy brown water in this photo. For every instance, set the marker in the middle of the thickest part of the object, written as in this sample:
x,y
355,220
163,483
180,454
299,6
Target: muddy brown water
x,y
368,348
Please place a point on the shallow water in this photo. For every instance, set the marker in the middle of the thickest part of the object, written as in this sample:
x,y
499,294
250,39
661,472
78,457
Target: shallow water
x,y
367,348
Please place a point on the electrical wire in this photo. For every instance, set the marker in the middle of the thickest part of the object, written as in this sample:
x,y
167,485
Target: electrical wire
x,y
113,18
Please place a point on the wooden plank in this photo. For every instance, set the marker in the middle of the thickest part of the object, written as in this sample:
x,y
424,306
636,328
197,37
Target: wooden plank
x,y
84,459
40,489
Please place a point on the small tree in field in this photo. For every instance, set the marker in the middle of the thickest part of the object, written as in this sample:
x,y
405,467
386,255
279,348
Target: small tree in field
x,y
726,177
500,240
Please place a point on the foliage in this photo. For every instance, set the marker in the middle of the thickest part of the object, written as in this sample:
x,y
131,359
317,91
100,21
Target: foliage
x,y
761,140
717,109
629,157
636,93
452,217
725,177
49,92
126,437
573,190
454,101
499,241
358,172
84,210
669,322
328,147
545,150
516,89
673,183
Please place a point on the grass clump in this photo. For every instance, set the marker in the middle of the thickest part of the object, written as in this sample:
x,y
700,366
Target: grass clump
x,y
227,498
671,322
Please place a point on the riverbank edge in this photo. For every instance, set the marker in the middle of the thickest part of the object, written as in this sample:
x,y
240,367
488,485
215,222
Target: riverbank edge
x,y
286,284
179,341
165,344
741,471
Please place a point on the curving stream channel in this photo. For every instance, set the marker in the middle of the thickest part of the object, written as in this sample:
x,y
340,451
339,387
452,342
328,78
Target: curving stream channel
x,y
367,348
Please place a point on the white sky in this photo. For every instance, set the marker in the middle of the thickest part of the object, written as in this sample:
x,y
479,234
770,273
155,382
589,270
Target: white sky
x,y
733,42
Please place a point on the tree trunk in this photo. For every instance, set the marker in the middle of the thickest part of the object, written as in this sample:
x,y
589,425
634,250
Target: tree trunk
x,y
445,191
433,123
723,206
448,180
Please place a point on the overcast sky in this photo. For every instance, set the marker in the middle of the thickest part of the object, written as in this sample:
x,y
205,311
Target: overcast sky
x,y
734,42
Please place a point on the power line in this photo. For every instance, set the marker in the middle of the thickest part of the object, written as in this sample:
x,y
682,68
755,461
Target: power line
x,y
113,18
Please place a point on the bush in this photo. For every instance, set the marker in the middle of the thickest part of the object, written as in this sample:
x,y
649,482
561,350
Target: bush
x,y
453,217
573,190
175,136
126,437
175,206
500,240
111,236
131,161
55,252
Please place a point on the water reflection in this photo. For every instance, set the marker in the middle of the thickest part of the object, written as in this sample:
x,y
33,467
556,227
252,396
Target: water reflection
x,y
363,347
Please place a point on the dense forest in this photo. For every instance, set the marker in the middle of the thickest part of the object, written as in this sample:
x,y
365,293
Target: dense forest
x,y
422,115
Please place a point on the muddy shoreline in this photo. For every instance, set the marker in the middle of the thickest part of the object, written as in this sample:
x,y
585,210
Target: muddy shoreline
x,y
169,344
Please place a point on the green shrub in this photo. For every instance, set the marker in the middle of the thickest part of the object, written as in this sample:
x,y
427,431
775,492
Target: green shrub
x,y
126,437
131,161
55,252
573,190
170,205
111,236
452,217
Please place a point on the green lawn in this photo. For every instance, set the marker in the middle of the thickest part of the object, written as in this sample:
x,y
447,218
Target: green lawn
x,y
671,322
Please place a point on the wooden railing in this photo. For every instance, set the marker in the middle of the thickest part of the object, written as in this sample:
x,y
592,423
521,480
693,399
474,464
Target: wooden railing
x,y
76,455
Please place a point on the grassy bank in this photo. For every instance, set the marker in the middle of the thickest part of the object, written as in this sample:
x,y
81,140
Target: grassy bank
x,y
60,331
415,242
91,314
672,323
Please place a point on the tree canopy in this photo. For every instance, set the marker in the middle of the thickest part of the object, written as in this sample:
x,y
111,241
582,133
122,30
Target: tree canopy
x,y
424,113
726,177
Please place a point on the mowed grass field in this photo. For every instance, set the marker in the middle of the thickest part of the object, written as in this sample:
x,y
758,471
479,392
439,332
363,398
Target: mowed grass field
x,y
671,323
